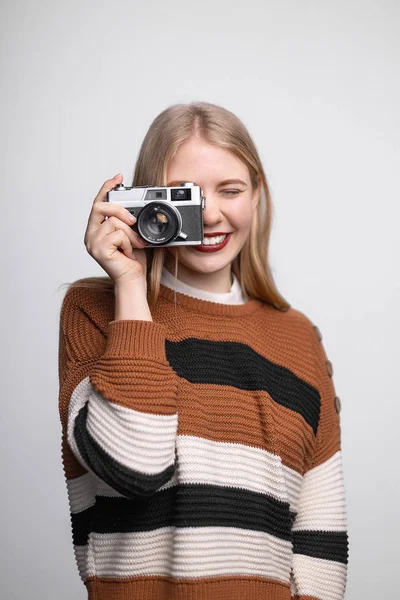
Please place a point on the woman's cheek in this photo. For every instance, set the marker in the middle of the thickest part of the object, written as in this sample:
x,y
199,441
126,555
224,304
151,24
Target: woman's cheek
x,y
241,218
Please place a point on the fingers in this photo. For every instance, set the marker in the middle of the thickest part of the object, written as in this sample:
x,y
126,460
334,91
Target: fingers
x,y
113,223
102,212
103,250
107,187
120,240
101,209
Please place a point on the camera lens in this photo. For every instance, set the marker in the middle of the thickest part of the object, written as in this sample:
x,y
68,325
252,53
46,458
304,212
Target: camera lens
x,y
158,223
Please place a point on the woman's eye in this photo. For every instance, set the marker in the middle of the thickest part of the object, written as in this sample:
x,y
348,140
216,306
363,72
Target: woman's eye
x,y
231,192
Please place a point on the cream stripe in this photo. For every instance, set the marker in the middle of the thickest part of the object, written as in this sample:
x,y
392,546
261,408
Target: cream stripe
x,y
293,485
81,556
81,492
139,441
323,579
191,552
322,503
230,465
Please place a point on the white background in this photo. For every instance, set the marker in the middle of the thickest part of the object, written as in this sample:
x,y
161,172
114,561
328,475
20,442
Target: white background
x,y
317,85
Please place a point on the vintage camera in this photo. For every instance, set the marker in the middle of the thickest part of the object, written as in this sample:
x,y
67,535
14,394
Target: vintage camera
x,y
166,216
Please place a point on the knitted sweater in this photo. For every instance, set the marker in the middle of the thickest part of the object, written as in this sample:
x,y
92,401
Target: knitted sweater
x,y
201,451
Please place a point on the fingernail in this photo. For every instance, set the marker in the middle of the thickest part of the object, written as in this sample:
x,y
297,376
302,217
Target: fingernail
x,y
117,175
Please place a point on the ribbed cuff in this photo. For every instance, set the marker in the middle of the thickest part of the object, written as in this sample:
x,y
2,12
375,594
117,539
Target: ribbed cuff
x,y
136,339
160,587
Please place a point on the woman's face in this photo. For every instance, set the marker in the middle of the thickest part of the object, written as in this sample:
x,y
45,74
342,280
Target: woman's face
x,y
229,204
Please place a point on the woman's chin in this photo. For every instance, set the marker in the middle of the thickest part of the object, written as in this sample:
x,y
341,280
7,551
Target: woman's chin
x,y
204,263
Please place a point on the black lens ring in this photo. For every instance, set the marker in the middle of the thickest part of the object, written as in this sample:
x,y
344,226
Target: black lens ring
x,y
163,208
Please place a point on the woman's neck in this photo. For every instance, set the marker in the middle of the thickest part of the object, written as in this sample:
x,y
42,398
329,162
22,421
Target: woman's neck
x,y
218,282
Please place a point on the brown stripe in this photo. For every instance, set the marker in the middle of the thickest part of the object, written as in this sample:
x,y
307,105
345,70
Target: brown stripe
x,y
294,438
145,385
330,446
328,440
158,588
75,374
72,467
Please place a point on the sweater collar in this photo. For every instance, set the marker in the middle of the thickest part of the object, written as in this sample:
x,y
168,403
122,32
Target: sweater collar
x,y
233,303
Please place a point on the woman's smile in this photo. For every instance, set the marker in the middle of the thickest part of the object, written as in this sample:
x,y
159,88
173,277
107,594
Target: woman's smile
x,y
213,243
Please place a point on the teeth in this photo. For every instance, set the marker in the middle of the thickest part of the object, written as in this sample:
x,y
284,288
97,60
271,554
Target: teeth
x,y
209,241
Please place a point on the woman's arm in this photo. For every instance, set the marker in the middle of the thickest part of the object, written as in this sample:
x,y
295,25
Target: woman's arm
x,y
320,538
117,397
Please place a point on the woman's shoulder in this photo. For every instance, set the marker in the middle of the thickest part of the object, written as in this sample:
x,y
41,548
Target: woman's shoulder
x,y
92,295
291,318
291,328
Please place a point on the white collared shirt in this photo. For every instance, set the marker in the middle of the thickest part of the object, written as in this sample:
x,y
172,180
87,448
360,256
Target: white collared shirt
x,y
234,296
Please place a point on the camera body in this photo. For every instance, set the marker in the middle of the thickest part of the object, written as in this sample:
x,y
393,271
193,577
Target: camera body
x,y
165,216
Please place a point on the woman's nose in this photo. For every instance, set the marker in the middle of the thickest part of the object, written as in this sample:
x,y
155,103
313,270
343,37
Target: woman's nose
x,y
212,213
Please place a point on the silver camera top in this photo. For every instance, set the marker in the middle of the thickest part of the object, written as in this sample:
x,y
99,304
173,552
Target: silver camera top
x,y
187,193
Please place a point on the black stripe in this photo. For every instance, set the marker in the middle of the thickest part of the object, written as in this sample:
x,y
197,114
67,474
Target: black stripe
x,y
126,481
194,505
330,545
293,516
238,365
80,523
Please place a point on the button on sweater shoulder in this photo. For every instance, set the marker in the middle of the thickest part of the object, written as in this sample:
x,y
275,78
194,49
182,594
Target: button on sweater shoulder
x,y
201,451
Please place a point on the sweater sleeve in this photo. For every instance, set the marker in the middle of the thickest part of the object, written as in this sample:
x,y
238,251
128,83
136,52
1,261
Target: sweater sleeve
x,y
117,398
320,539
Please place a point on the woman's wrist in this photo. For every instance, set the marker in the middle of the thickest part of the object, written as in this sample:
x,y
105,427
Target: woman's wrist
x,y
131,301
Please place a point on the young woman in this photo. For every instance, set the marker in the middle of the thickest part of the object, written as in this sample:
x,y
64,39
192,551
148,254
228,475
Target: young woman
x,y
201,431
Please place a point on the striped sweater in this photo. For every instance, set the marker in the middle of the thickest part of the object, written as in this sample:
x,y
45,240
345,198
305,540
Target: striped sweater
x,y
201,451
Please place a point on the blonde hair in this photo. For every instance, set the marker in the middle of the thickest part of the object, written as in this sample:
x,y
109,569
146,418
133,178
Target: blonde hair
x,y
218,126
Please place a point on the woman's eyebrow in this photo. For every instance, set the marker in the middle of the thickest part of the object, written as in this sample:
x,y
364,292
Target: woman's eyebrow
x,y
225,182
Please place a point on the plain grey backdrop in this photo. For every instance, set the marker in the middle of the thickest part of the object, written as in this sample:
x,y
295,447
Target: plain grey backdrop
x,y
317,85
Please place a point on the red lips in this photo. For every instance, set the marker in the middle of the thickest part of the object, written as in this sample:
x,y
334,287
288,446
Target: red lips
x,y
214,247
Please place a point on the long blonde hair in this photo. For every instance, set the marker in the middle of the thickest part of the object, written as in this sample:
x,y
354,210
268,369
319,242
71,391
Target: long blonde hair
x,y
215,125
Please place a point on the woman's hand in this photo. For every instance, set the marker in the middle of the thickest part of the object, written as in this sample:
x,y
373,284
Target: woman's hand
x,y
104,237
